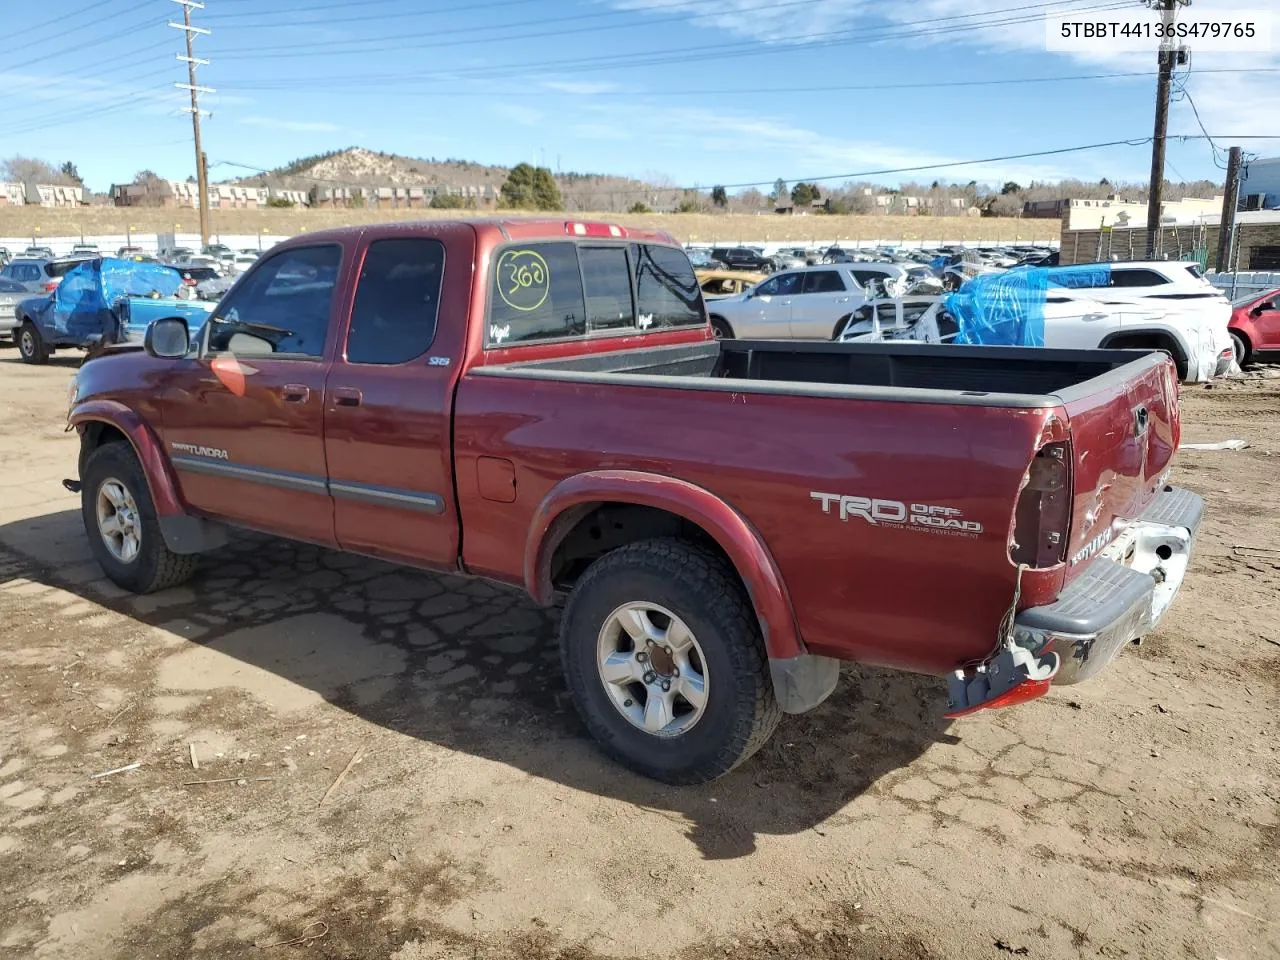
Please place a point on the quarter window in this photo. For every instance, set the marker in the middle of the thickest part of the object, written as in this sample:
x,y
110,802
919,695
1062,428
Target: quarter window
x,y
282,308
666,289
397,299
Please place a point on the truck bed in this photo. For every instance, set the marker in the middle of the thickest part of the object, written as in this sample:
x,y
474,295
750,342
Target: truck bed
x,y
984,376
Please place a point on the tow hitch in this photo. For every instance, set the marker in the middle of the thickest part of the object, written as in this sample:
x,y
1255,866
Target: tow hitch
x,y
1015,675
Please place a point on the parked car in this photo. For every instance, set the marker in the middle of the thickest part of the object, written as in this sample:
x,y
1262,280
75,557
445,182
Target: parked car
x,y
214,287
36,275
240,263
726,283
1255,326
787,261
701,259
5,256
742,258
179,254
104,300
11,291
37,253
86,249
426,409
1102,306
805,303
129,251
218,251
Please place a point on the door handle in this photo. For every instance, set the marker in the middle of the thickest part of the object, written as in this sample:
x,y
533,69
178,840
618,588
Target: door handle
x,y
295,393
346,396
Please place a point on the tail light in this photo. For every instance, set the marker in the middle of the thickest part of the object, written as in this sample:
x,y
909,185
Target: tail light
x,y
51,286
1043,513
580,228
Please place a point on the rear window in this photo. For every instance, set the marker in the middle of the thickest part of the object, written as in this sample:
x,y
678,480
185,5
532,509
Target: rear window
x,y
556,290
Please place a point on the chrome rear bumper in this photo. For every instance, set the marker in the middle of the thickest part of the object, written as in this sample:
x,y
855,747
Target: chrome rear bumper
x,y
1124,593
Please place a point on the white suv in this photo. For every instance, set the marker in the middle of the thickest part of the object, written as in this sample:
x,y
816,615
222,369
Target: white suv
x,y
805,303
1163,304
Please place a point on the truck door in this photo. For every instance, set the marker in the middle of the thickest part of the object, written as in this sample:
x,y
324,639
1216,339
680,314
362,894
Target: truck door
x,y
243,417
389,402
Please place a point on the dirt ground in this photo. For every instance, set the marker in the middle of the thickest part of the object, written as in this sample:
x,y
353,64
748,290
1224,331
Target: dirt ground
x,y
1132,816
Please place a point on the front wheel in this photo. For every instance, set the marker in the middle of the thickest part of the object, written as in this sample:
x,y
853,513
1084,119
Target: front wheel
x,y
663,656
120,521
31,345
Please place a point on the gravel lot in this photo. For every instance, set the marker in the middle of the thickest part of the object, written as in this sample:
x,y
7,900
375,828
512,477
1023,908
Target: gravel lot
x,y
1133,816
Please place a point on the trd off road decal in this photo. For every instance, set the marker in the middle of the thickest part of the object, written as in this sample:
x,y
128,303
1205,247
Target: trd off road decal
x,y
194,450
924,517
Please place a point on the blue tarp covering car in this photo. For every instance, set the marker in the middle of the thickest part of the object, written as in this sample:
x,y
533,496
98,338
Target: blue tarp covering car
x,y
1007,309
105,300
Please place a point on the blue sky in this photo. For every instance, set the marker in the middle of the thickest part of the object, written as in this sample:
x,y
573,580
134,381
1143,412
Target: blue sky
x,y
696,91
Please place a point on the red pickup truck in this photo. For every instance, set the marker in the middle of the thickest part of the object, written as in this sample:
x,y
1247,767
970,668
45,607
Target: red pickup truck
x,y
542,403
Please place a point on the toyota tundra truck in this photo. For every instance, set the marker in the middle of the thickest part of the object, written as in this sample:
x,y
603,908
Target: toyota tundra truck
x,y
542,403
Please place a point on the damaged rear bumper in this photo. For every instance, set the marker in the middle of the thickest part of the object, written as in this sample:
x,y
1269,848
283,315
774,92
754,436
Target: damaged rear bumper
x,y
1124,593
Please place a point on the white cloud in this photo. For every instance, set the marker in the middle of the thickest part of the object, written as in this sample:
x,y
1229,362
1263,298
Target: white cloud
x,y
584,88
521,116
292,126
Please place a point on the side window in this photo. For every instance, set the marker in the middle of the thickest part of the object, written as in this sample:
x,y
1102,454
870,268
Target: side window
x,y
781,285
536,294
397,297
823,281
282,308
666,289
865,277
1136,278
606,276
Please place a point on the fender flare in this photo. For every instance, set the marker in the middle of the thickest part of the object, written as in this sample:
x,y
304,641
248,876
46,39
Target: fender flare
x,y
146,445
570,500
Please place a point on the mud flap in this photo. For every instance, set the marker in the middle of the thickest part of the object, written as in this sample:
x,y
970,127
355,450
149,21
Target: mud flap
x,y
1013,676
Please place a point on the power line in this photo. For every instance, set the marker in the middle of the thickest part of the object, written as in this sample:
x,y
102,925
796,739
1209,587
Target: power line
x,y
408,15
667,55
635,94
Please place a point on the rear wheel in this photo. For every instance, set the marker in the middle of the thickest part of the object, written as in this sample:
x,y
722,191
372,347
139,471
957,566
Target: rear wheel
x,y
840,326
120,521
31,344
721,329
663,656
1242,350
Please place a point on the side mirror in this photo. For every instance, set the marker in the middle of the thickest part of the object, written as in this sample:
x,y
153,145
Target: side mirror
x,y
167,338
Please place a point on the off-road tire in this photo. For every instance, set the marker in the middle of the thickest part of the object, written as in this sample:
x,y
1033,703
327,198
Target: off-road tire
x,y
31,345
699,587
155,567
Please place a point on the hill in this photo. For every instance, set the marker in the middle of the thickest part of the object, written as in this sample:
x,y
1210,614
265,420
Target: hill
x,y
360,167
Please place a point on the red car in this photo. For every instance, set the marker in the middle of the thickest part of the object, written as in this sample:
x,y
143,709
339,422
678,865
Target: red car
x,y
1255,325
542,403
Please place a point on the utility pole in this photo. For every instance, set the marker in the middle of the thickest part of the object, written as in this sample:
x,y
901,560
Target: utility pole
x,y
1230,203
202,177
1165,59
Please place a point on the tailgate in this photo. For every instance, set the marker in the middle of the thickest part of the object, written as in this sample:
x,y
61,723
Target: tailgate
x,y
1124,431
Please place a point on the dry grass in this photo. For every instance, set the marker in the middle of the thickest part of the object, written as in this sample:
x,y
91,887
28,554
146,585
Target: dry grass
x,y
701,228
